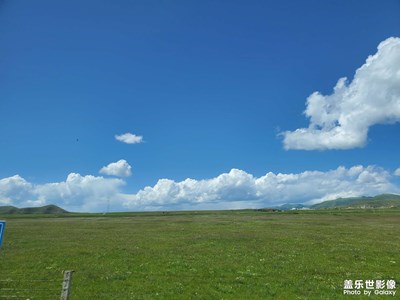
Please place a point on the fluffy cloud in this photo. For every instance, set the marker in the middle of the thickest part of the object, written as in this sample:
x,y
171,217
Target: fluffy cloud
x,y
341,120
120,168
397,172
233,190
129,138
76,193
238,189
14,190
80,192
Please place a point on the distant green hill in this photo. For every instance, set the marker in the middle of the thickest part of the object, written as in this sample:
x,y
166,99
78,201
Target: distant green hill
x,y
47,209
380,201
290,206
8,210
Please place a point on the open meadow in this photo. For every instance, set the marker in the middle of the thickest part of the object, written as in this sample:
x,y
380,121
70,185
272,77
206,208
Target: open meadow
x,y
199,255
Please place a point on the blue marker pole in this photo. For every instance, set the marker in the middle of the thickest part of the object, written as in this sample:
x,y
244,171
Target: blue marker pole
x,y
2,227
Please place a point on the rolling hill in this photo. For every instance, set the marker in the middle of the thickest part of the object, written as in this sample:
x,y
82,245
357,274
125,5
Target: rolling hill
x,y
47,209
380,201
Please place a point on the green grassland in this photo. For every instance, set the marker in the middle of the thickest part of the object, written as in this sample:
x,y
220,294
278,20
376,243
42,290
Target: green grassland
x,y
199,255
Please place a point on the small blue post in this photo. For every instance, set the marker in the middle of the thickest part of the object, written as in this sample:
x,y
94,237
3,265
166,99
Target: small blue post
x,y
2,227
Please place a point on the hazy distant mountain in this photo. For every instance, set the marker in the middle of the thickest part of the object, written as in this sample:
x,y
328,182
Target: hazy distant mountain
x,y
290,206
380,201
47,209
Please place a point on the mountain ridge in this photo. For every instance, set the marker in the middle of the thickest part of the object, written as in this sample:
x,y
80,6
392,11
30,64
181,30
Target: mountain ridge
x,y
363,202
47,209
379,201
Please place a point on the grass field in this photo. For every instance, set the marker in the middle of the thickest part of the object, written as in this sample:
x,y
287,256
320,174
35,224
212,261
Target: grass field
x,y
200,255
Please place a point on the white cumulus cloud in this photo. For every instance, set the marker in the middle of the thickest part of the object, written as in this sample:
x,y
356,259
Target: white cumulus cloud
x,y
341,120
233,190
238,189
120,168
397,172
76,193
14,190
129,138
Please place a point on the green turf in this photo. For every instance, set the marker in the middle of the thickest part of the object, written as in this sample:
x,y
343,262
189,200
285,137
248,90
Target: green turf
x,y
200,255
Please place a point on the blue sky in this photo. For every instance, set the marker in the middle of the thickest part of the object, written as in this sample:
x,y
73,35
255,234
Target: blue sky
x,y
210,86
